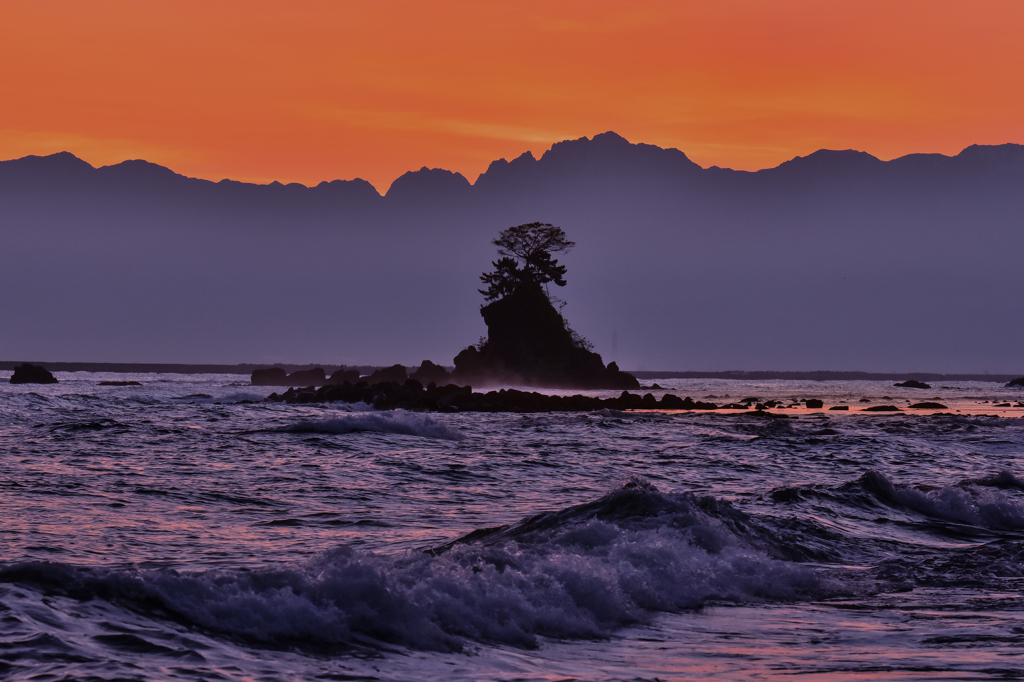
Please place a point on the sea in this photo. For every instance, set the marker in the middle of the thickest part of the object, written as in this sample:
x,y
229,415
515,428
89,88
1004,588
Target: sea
x,y
181,529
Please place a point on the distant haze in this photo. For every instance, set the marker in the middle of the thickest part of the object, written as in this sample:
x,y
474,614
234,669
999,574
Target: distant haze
x,y
836,260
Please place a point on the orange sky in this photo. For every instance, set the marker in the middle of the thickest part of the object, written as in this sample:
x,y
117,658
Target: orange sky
x,y
308,91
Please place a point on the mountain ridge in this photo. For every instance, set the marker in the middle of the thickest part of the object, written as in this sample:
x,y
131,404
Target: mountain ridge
x,y
837,258
603,152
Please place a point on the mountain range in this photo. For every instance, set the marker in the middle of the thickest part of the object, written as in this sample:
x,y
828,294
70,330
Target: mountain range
x,y
833,261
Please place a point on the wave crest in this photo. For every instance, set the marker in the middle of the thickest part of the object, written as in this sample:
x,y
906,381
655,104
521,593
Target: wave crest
x,y
578,574
397,421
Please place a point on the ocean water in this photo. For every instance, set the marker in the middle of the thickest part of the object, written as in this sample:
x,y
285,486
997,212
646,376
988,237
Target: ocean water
x,y
179,530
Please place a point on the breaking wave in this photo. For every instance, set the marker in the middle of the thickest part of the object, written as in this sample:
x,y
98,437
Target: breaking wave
x,y
581,572
399,422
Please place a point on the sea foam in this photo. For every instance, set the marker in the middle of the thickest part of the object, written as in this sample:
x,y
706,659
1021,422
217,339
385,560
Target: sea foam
x,y
578,573
396,421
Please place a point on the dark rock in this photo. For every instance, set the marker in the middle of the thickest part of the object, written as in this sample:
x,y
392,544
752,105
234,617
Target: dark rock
x,y
911,383
32,374
815,404
308,377
342,375
529,343
119,383
1019,381
431,373
670,401
395,373
881,408
839,407
928,406
274,376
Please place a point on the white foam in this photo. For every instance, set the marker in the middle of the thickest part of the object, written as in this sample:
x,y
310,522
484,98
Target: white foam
x,y
580,578
964,503
396,421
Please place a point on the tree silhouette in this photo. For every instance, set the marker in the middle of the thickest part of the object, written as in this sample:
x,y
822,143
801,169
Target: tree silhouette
x,y
526,252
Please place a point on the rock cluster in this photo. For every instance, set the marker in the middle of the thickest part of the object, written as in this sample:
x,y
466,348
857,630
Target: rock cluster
x,y
412,395
32,374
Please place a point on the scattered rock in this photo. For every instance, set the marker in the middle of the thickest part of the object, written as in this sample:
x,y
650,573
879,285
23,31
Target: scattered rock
x,y
881,408
32,374
912,383
411,395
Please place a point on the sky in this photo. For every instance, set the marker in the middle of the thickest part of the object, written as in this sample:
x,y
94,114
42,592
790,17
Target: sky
x,y
319,90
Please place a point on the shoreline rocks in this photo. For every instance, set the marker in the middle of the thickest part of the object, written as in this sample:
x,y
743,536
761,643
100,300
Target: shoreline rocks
x,y
412,395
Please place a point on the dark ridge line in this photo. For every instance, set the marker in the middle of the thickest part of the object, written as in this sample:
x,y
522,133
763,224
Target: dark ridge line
x,y
247,369
174,368
823,376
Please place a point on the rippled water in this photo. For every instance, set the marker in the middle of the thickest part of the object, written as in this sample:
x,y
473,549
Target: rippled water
x,y
177,530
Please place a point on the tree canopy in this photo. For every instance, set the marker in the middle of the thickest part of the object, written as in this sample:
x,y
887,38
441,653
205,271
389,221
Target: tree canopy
x,y
526,252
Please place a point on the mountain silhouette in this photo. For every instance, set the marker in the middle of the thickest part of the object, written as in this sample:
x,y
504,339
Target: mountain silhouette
x,y
833,260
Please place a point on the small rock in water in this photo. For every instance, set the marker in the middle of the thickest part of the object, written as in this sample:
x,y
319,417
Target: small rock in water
x,y
912,383
839,407
815,404
929,406
881,408
120,383
32,374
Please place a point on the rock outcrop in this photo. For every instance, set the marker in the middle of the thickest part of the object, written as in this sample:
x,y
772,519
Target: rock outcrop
x,y
32,374
342,375
1019,381
529,343
275,376
431,373
912,383
395,374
